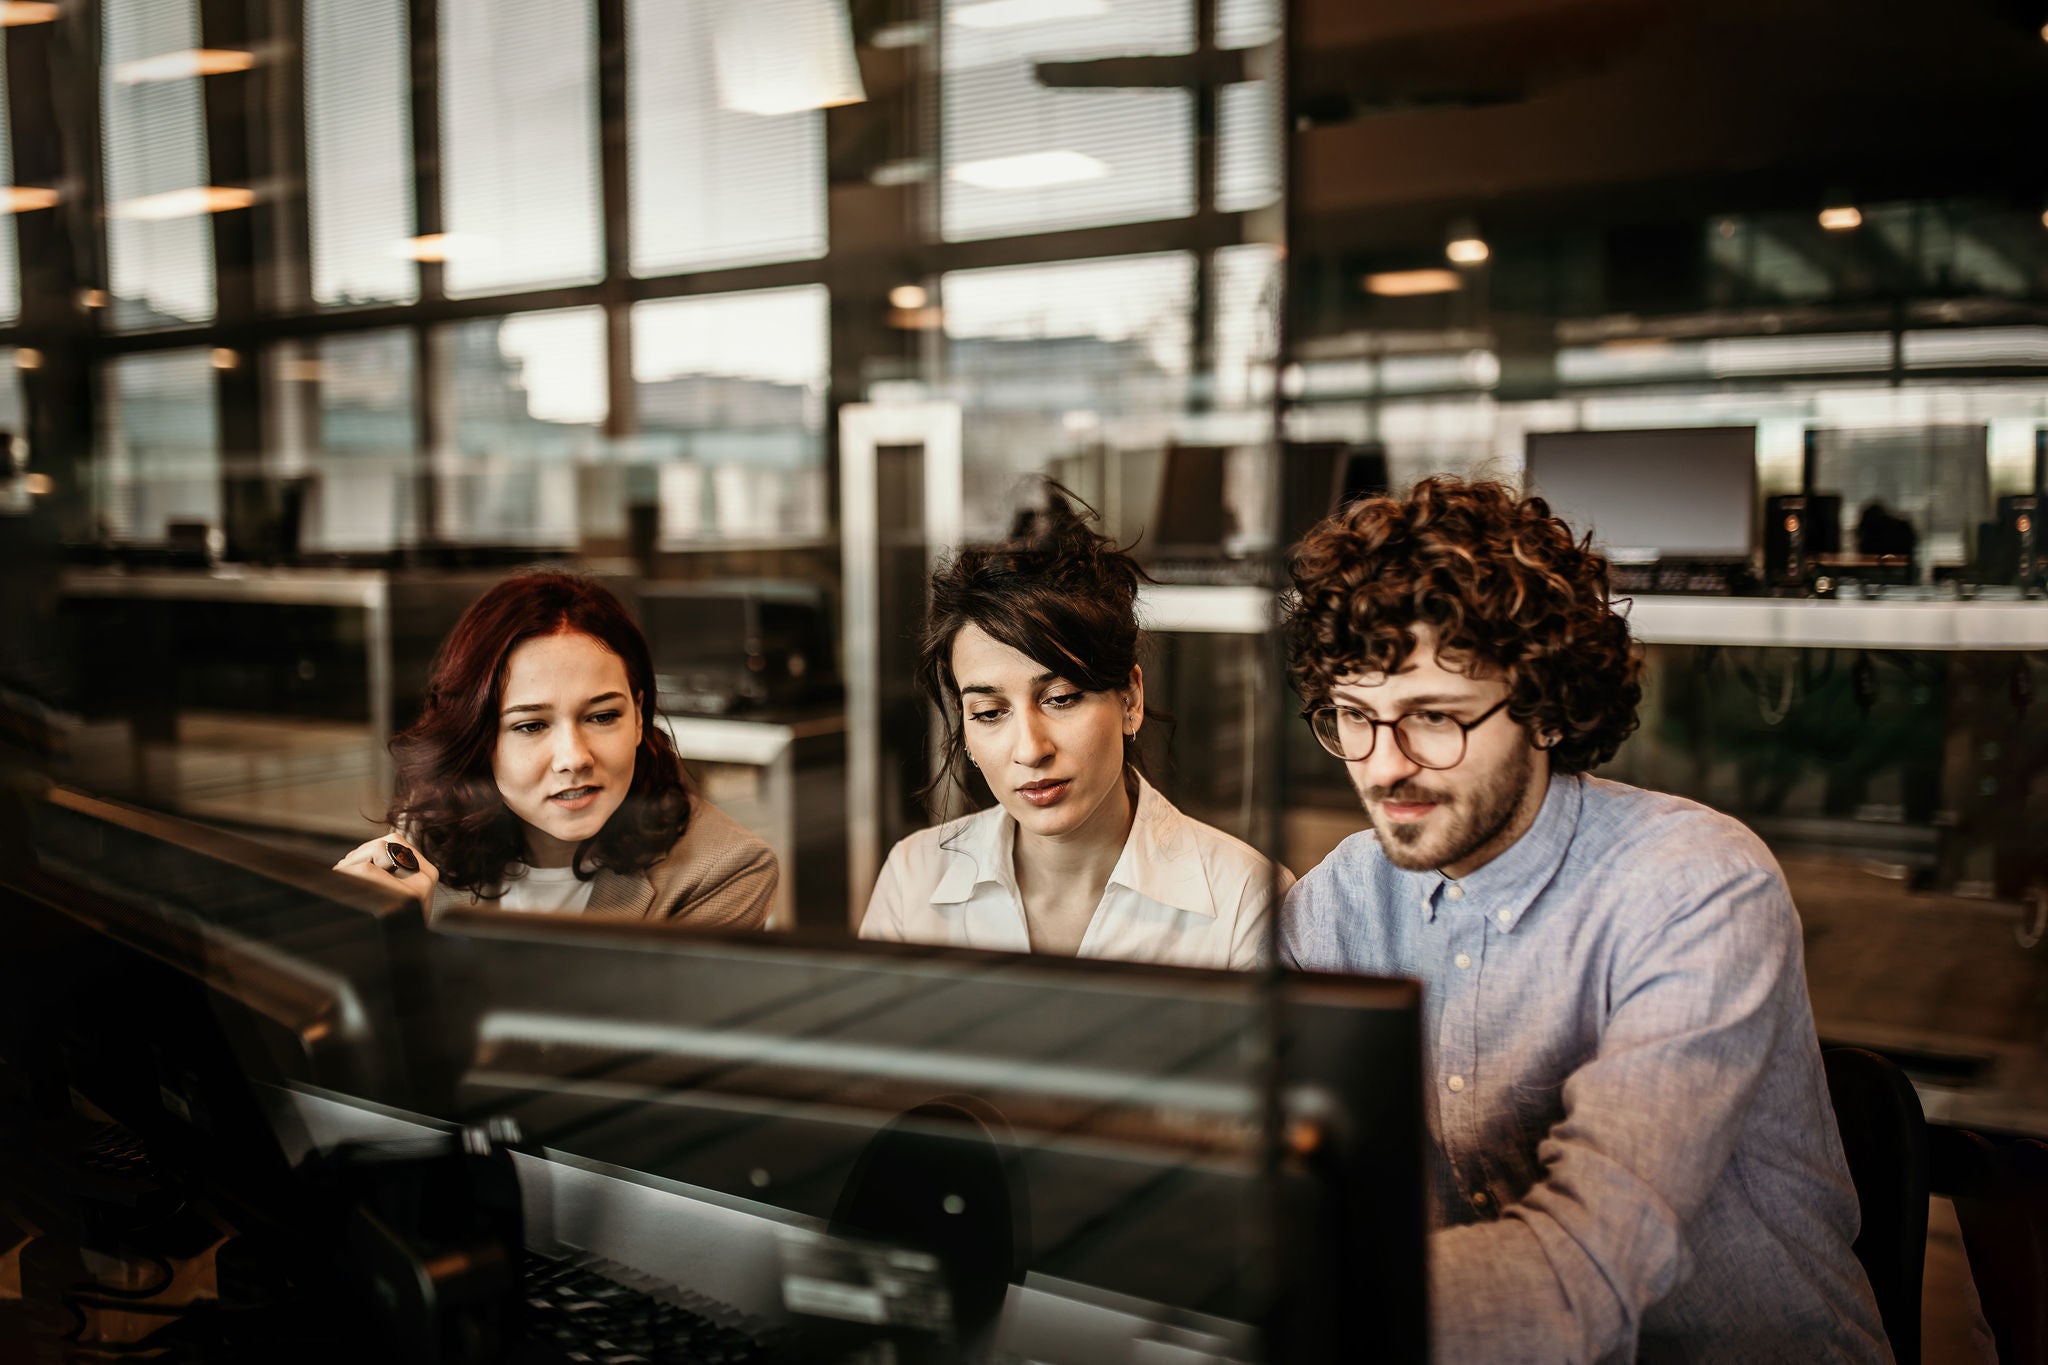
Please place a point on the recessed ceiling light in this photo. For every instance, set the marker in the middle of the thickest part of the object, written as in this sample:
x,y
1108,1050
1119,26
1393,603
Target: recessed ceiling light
x,y
1032,170
1841,218
184,203
15,13
1398,284
907,296
172,66
1467,250
24,198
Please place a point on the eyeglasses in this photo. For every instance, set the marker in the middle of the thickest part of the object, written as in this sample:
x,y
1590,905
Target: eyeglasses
x,y
1430,739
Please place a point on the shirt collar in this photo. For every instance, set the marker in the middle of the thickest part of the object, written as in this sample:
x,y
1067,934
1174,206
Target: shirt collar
x,y
1506,887
978,849
1160,860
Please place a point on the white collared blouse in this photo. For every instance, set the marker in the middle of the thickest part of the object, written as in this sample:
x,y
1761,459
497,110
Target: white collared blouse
x,y
1183,892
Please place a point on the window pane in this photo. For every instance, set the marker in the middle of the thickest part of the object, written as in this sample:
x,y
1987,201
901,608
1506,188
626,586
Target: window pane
x,y
710,185
351,437
1022,158
1247,285
13,402
519,143
159,444
1246,23
159,248
730,390
10,270
525,402
359,151
1247,146
1054,362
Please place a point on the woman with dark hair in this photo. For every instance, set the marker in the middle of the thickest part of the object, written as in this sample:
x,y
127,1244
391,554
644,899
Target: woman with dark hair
x,y
535,778
1030,653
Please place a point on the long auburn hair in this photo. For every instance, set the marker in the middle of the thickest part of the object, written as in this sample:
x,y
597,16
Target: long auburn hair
x,y
1055,591
446,795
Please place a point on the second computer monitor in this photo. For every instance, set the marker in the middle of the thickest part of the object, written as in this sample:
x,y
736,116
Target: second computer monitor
x,y
1684,493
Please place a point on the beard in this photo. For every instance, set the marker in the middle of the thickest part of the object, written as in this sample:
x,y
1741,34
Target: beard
x,y
1460,826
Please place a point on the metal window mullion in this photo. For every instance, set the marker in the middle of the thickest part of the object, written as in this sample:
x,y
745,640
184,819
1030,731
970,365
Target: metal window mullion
x,y
614,195
430,420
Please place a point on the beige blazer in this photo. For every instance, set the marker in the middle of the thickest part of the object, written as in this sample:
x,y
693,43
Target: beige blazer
x,y
717,876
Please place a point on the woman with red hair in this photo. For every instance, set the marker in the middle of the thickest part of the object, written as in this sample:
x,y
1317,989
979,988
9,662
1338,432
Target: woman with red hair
x,y
535,779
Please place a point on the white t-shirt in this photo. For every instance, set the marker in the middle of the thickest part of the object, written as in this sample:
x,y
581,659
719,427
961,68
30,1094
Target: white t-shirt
x,y
1182,892
556,889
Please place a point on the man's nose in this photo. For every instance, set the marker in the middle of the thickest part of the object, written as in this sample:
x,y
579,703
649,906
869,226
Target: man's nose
x,y
1386,766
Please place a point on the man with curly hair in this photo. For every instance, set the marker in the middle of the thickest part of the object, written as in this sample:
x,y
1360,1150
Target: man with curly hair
x,y
1632,1154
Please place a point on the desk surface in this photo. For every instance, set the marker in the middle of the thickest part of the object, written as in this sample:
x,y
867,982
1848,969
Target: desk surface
x,y
315,587
1809,624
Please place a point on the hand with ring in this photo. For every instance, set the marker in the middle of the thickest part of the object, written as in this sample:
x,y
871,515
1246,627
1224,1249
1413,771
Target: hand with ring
x,y
386,859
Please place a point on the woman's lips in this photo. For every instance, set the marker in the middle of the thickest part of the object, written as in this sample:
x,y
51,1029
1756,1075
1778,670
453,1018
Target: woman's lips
x,y
1045,793
576,798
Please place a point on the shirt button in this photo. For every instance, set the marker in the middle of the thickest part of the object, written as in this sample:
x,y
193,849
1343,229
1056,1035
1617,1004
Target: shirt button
x,y
1456,1083
1456,893
1463,960
1503,914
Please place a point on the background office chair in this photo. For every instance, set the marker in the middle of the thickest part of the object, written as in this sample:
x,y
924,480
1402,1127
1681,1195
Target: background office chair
x,y
1884,1137
2001,1197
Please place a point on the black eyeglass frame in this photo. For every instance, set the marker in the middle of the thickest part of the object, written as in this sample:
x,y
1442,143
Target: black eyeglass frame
x,y
1465,729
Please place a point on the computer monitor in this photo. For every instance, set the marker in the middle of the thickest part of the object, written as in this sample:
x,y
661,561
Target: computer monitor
x,y
1683,493
726,646
1321,477
1191,520
1918,493
1126,1107
167,972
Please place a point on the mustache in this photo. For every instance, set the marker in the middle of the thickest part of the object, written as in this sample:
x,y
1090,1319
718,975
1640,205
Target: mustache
x,y
1404,792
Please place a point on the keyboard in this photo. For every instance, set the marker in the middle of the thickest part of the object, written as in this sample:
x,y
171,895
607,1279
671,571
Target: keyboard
x,y
593,1312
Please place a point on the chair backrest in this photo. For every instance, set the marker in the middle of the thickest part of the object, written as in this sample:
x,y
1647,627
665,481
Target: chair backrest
x,y
2001,1197
1884,1137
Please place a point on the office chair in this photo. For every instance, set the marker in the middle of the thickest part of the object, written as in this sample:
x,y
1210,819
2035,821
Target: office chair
x,y
2001,1198
1884,1137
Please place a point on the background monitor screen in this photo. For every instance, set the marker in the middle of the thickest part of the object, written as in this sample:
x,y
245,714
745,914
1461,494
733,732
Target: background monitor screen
x,y
1646,495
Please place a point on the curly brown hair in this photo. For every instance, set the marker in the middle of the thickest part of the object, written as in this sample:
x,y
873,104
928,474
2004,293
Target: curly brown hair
x,y
1499,579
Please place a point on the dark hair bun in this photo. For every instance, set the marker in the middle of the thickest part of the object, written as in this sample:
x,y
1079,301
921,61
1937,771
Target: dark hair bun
x,y
1054,542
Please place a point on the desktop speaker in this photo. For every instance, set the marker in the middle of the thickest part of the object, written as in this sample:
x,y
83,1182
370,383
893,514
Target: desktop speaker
x,y
2019,525
1797,527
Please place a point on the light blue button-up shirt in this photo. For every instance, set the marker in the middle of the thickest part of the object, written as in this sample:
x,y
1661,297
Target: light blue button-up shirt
x,y
1633,1154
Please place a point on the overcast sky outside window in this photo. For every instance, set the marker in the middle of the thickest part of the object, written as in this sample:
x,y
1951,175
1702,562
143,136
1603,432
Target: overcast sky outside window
x,y
1123,298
